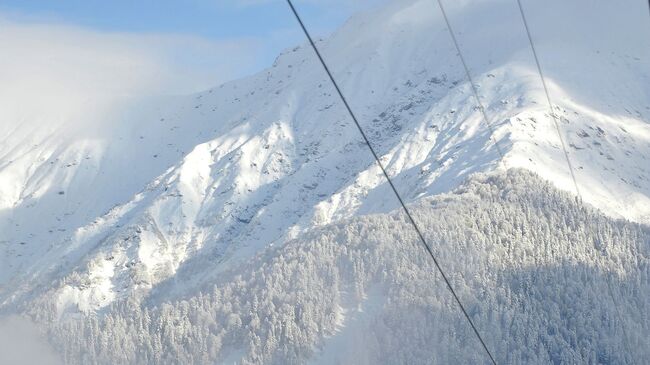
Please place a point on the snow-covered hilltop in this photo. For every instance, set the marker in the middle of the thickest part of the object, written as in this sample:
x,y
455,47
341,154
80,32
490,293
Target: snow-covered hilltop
x,y
545,279
165,196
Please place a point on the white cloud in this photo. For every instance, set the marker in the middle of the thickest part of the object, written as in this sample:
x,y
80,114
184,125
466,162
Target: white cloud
x,y
57,69
22,344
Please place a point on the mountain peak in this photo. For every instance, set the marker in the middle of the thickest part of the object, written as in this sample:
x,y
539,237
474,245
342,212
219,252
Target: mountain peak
x,y
187,187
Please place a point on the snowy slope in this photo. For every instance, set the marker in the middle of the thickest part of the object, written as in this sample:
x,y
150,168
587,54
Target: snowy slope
x,y
169,194
544,279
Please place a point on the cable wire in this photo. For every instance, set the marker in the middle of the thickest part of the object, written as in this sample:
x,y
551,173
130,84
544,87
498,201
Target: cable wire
x,y
470,79
390,182
548,99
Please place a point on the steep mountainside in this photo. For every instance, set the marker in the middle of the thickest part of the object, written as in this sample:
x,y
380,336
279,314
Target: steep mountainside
x,y
164,197
545,279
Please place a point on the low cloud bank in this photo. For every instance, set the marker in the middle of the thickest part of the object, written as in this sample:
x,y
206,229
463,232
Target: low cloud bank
x,y
52,72
22,344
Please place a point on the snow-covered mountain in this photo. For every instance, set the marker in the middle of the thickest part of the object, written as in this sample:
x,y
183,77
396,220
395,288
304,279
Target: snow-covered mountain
x,y
545,279
157,201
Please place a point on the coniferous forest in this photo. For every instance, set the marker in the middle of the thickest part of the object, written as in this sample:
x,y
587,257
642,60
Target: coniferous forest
x,y
545,278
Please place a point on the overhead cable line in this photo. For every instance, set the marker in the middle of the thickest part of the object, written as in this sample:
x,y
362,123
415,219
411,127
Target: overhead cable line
x,y
548,99
554,116
471,80
390,182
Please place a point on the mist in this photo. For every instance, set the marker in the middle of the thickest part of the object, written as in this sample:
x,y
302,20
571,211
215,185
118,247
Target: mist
x,y
22,344
52,73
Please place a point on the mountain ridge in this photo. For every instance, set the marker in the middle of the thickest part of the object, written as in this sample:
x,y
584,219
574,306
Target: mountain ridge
x,y
195,185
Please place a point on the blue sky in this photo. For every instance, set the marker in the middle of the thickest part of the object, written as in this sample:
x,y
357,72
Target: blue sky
x,y
262,28
216,18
